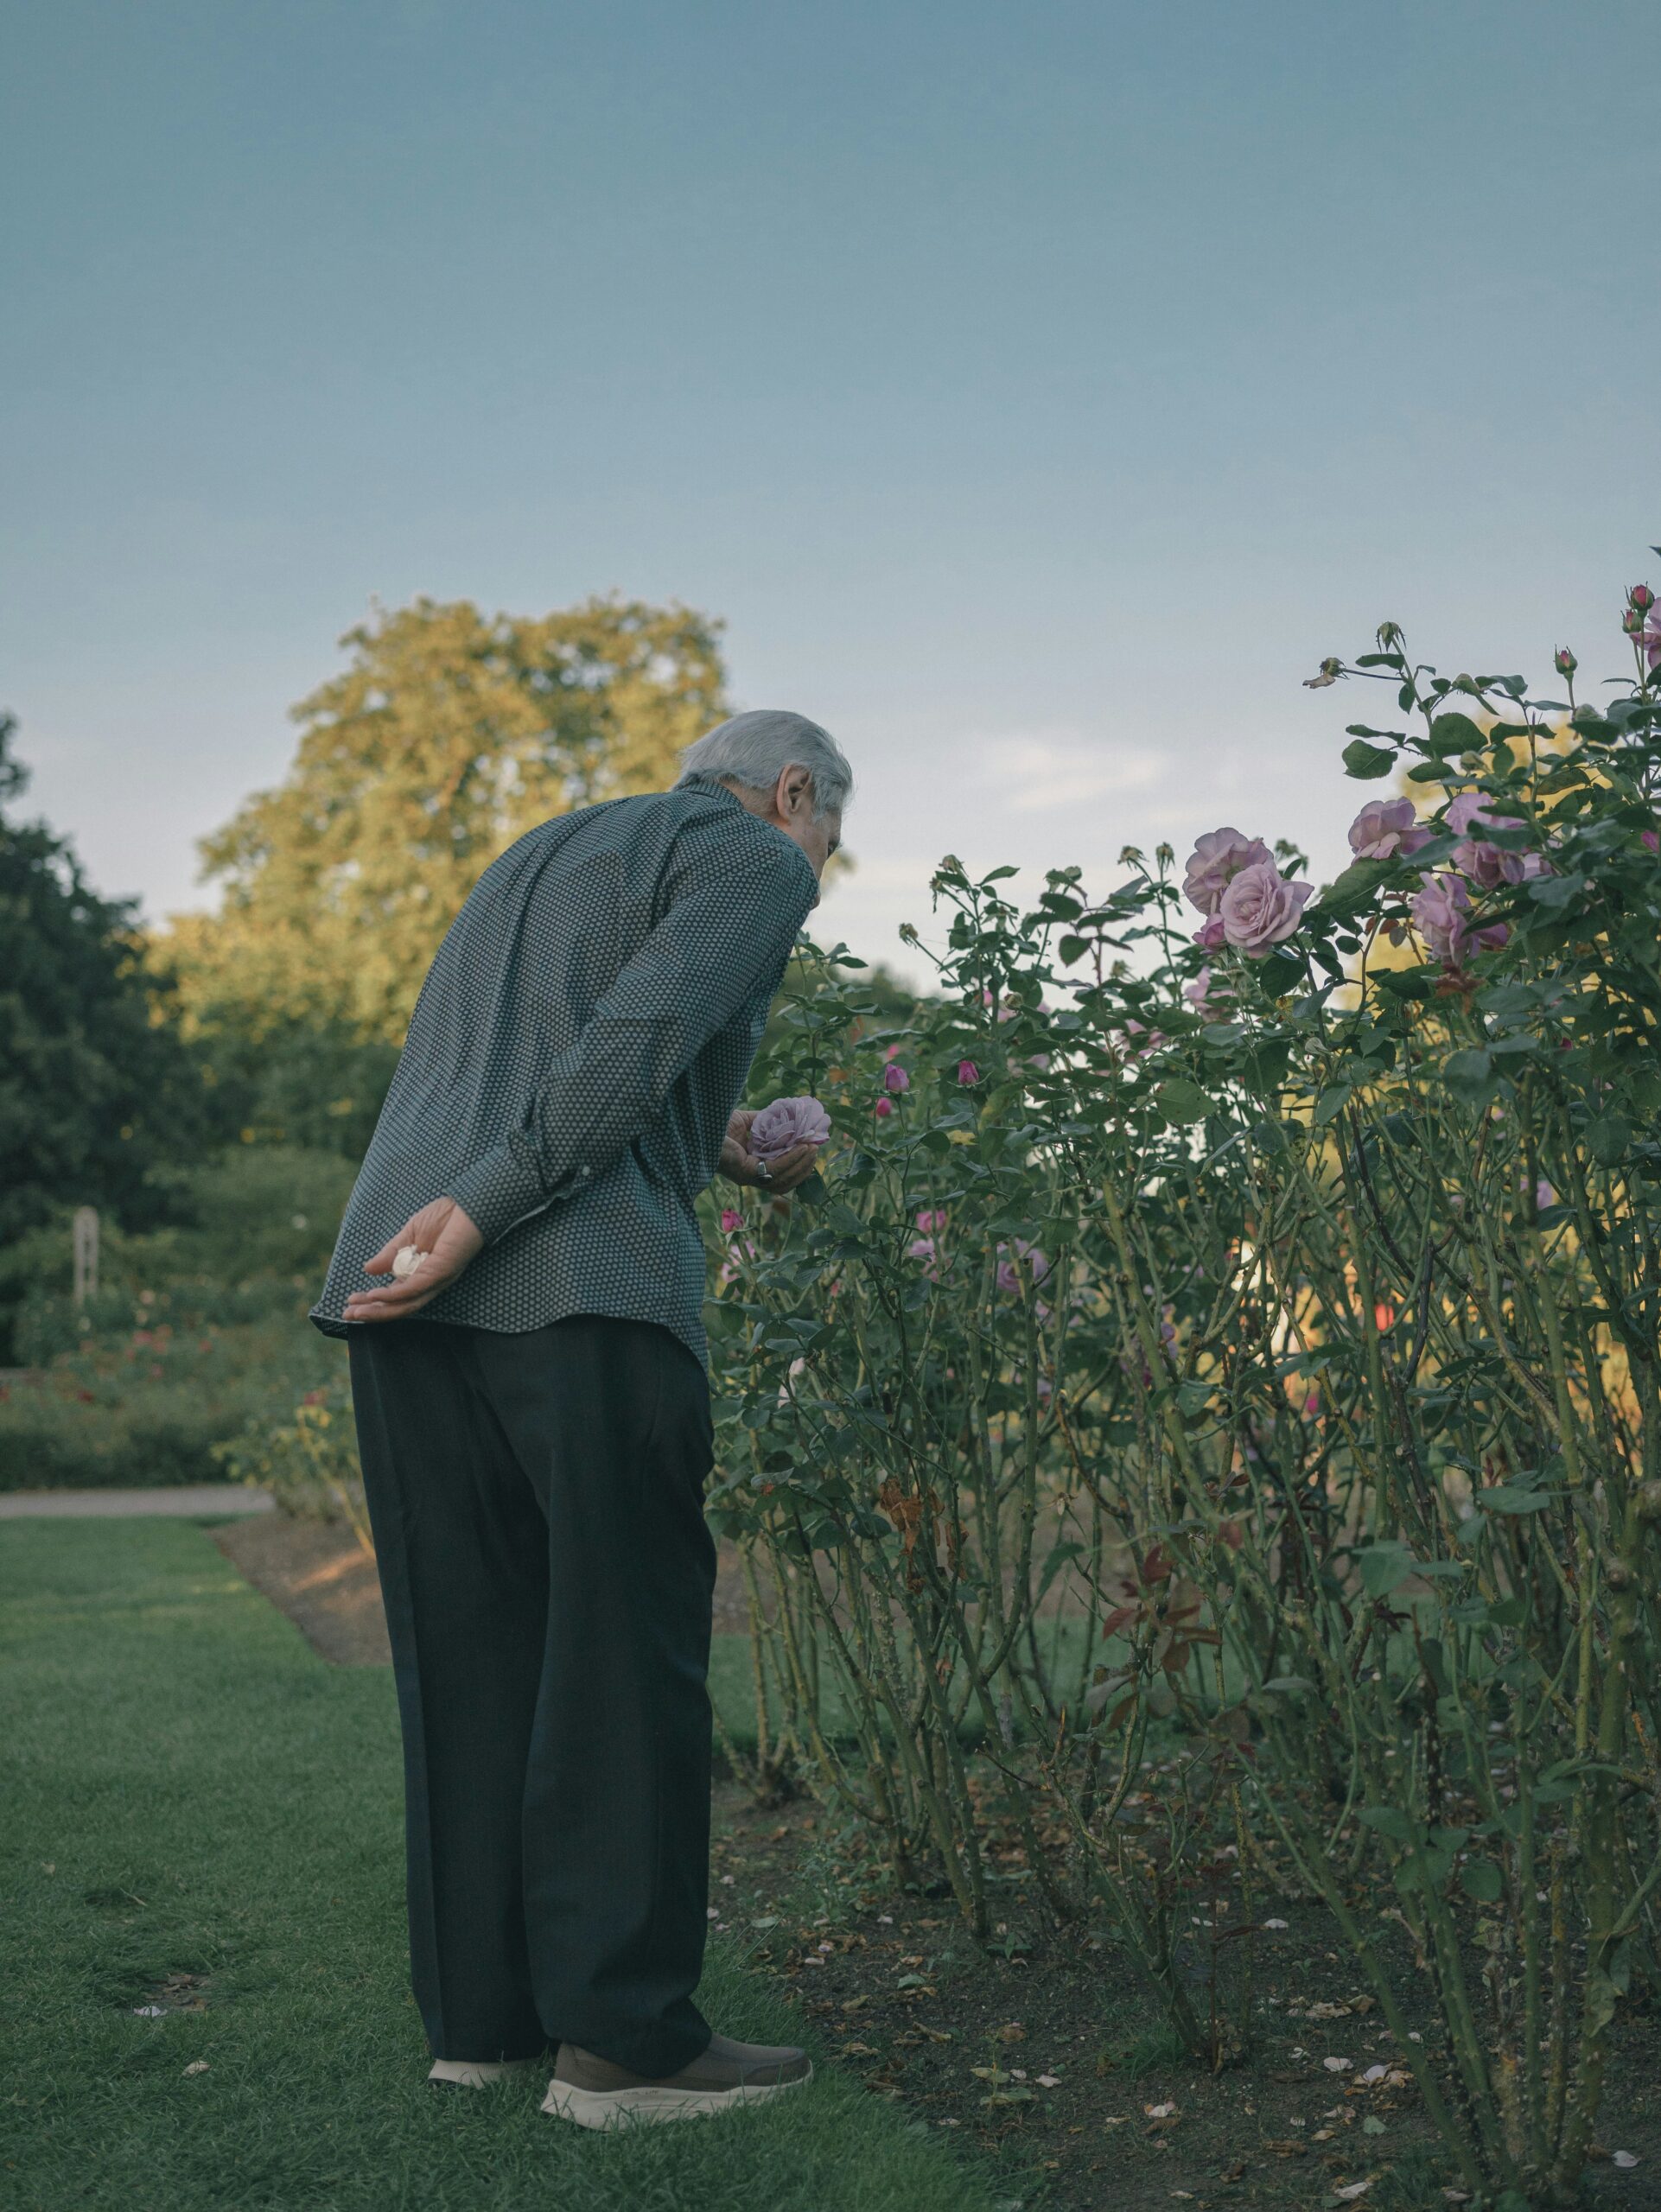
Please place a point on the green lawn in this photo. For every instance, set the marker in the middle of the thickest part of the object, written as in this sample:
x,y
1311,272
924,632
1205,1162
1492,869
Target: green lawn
x,y
188,1790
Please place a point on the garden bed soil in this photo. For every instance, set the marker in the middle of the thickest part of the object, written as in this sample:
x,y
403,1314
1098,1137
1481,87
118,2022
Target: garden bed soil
x,y
1103,2117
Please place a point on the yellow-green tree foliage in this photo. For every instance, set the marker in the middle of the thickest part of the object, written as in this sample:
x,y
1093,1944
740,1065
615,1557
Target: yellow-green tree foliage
x,y
450,734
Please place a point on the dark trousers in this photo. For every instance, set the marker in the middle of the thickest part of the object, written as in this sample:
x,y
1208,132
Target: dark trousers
x,y
536,1503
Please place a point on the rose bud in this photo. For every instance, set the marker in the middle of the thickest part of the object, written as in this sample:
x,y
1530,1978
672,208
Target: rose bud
x,y
1633,622
1641,597
968,1072
1564,661
883,1108
894,1077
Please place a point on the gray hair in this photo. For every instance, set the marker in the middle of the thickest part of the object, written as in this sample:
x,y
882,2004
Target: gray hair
x,y
755,750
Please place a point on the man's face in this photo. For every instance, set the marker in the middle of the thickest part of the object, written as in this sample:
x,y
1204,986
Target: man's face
x,y
818,840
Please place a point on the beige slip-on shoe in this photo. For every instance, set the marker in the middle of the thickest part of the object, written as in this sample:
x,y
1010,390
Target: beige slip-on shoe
x,y
478,2073
595,2093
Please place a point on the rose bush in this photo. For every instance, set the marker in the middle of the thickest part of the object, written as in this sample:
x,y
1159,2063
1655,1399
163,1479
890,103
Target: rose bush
x,y
1221,1442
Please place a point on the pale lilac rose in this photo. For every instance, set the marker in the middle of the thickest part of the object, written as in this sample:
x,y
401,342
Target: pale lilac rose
x,y
927,1252
1215,862
1386,827
894,1078
1027,1264
1544,1195
1484,864
1140,1039
1198,991
968,1072
1441,915
1649,639
778,1129
1260,908
1213,936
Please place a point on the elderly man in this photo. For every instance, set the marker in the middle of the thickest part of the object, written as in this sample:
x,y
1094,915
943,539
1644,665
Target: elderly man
x,y
533,1413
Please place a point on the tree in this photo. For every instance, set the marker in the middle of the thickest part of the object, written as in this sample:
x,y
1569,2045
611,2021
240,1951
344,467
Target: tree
x,y
450,734
97,1090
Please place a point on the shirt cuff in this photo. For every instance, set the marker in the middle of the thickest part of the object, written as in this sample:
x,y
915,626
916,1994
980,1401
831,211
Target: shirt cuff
x,y
500,1190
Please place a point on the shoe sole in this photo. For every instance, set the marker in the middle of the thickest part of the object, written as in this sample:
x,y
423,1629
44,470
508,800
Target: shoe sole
x,y
478,2073
652,2102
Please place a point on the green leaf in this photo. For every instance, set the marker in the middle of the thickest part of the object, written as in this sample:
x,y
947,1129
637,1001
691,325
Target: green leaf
x,y
1385,1567
1471,1075
1331,1102
1608,1139
1366,762
1480,1878
1388,1821
1349,893
1512,1497
1456,733
1181,1100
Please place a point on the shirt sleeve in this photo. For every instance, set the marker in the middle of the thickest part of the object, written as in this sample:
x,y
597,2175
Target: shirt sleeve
x,y
721,943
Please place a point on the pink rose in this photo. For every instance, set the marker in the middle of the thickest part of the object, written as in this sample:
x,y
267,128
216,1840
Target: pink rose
x,y
894,1078
1213,936
927,1252
883,1108
1215,862
731,1219
968,1072
778,1129
1649,639
1260,908
929,1221
1198,991
1384,826
1027,1260
1482,863
1441,915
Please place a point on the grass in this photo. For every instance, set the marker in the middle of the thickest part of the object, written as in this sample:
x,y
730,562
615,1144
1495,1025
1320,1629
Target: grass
x,y
190,1791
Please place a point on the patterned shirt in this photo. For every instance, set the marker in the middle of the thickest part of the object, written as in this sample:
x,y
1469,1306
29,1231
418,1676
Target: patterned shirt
x,y
575,1055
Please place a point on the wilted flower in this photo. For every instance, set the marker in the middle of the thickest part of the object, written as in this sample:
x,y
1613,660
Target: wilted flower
x,y
894,1078
1215,862
1329,672
968,1072
778,1129
1386,827
1260,908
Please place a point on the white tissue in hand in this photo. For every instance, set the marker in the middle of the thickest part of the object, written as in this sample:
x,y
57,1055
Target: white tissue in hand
x,y
409,1259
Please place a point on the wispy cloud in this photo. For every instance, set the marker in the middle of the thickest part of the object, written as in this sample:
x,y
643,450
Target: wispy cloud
x,y
1038,771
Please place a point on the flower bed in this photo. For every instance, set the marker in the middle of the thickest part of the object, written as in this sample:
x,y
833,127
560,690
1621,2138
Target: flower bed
x,y
1277,1301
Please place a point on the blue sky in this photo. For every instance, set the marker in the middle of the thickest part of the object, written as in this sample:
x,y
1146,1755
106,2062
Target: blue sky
x,y
1037,391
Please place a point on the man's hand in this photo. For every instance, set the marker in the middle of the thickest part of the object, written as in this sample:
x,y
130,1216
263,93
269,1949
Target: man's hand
x,y
740,1164
450,1242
